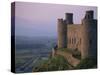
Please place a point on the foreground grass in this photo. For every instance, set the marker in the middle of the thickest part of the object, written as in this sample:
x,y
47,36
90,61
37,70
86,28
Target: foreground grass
x,y
53,64
87,63
59,63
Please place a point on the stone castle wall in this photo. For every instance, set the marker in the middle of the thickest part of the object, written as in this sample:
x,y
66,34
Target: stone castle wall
x,y
74,36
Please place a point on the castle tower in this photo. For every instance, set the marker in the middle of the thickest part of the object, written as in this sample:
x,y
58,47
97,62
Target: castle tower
x,y
62,37
69,18
89,15
89,35
62,30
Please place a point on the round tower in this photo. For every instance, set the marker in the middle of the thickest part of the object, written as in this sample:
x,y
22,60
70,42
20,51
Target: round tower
x,y
62,34
88,33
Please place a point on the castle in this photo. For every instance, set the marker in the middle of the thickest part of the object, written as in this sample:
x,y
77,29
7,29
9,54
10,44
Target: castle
x,y
82,37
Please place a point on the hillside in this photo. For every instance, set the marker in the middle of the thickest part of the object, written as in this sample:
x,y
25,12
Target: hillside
x,y
64,61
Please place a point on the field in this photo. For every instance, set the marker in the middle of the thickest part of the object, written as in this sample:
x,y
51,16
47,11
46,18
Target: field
x,y
31,51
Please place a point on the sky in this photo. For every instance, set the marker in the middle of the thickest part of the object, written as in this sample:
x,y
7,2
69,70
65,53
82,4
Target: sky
x,y
40,19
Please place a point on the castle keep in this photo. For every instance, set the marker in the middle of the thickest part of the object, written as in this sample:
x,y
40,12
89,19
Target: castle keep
x,y
81,37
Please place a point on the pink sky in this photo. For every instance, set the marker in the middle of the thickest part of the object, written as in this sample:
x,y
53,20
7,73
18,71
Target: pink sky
x,y
41,18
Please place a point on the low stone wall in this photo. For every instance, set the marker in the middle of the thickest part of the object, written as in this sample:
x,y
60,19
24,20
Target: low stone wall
x,y
68,56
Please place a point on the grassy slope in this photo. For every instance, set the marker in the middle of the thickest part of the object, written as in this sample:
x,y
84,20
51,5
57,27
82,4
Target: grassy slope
x,y
59,63
53,64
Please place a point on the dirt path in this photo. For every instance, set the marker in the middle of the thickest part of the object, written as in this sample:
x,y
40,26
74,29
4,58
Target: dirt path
x,y
68,56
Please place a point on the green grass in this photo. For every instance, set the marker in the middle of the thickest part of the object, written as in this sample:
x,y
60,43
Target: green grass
x,y
53,64
87,63
59,63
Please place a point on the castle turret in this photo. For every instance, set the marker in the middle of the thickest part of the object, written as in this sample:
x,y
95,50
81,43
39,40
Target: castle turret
x,y
62,31
89,36
89,15
69,18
